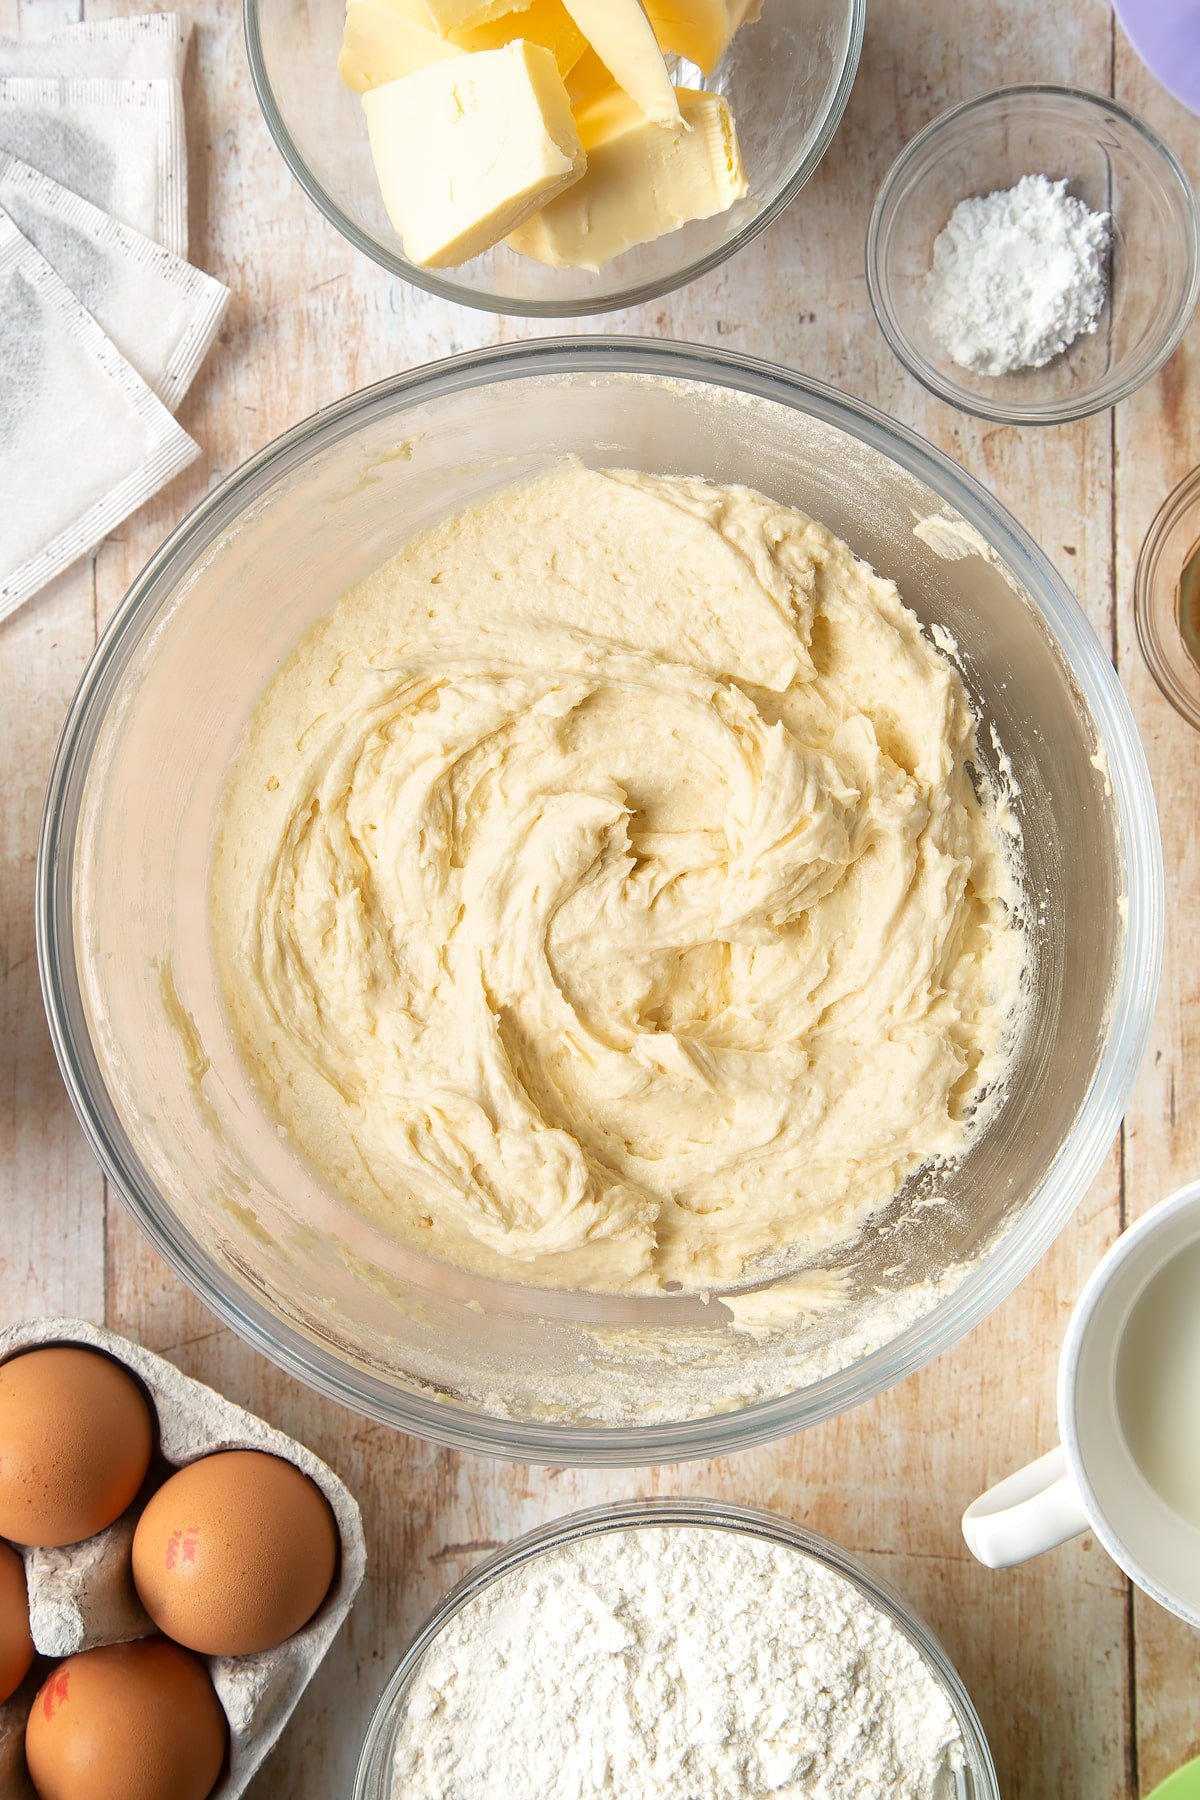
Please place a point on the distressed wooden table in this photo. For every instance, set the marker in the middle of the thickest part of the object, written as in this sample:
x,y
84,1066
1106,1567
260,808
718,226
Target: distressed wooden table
x,y
1085,1688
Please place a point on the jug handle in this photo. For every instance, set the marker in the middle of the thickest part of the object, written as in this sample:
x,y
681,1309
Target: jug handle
x,y
1034,1510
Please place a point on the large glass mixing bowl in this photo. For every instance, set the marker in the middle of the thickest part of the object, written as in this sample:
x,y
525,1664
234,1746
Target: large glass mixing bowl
x,y
787,77
132,994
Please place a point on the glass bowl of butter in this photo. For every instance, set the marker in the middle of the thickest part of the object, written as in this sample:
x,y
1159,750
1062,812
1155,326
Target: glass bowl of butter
x,y
274,1229
487,152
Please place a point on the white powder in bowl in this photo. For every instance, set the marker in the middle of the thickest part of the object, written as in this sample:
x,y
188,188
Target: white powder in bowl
x,y
1017,276
675,1663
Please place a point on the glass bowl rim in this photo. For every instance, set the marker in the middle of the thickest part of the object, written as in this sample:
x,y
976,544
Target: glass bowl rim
x,y
404,1406
1184,496
659,1511
1066,409
637,294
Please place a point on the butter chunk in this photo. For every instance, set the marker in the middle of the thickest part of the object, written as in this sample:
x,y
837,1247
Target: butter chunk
x,y
701,30
466,150
445,16
620,34
382,43
641,181
587,80
697,29
544,22
442,17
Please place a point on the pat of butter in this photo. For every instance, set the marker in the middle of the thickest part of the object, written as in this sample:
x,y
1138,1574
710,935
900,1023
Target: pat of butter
x,y
700,30
641,181
587,81
544,22
697,29
466,150
619,32
385,40
445,16
381,43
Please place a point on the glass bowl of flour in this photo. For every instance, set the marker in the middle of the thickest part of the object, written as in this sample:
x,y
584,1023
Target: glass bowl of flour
x,y
1033,255
674,1651
273,1220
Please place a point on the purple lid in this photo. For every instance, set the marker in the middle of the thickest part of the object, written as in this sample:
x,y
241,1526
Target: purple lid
x,y
1166,35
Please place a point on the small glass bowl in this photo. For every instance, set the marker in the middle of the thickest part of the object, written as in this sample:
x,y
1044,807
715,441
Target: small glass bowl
x,y
787,77
373,1779
1172,543
1112,162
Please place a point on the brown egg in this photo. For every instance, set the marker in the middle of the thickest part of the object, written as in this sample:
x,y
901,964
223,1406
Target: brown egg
x,y
235,1553
16,1645
126,1722
75,1438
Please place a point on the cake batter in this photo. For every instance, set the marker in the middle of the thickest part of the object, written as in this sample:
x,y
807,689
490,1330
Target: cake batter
x,y
603,895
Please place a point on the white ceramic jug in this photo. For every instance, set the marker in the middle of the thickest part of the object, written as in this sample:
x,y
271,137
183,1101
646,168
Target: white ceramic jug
x,y
1129,1419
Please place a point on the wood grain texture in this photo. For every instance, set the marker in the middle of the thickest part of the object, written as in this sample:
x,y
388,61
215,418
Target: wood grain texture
x,y
1156,443
1083,1693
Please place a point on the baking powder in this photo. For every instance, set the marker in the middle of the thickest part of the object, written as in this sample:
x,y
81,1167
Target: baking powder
x,y
1017,276
674,1663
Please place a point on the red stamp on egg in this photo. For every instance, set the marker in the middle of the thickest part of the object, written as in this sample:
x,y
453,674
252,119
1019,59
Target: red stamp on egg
x,y
54,1693
182,1547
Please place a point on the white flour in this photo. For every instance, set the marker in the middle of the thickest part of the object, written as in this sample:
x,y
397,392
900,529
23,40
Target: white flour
x,y
675,1663
1016,277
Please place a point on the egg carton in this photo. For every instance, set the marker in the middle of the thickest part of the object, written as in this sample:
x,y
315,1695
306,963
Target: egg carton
x,y
84,1595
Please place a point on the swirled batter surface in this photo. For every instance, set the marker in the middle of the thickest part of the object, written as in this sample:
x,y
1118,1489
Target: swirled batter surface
x,y
603,895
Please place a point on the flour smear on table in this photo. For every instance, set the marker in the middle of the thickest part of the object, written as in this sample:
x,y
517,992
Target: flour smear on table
x,y
675,1663
1017,276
